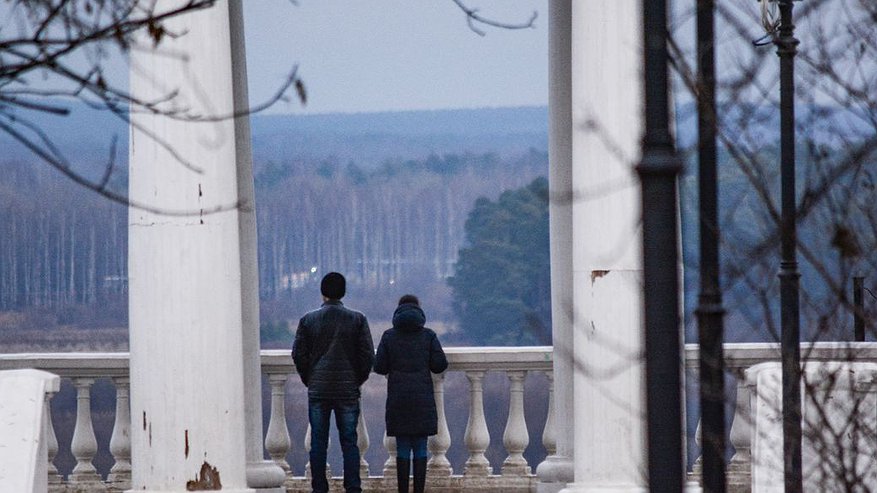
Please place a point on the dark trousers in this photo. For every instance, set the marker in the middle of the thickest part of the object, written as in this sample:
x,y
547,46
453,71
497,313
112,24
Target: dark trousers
x,y
408,445
346,419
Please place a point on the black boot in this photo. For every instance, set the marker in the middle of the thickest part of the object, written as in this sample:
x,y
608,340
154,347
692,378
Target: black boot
x,y
419,475
403,466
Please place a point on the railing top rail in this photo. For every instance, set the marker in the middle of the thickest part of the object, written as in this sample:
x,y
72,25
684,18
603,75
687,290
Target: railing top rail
x,y
277,361
741,355
459,358
70,364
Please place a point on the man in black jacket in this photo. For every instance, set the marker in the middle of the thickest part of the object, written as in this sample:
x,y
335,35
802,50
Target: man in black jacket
x,y
333,354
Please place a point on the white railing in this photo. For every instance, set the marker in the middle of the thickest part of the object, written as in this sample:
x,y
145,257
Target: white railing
x,y
741,356
514,474
286,436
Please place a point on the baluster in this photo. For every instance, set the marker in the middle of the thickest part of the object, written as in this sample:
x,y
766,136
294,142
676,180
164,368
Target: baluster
x,y
440,443
477,437
740,468
308,448
362,442
549,434
697,467
84,444
120,441
277,441
307,445
515,438
51,443
390,465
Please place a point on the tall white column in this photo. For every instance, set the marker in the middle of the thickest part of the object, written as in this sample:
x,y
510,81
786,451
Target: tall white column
x,y
266,476
557,469
185,271
607,124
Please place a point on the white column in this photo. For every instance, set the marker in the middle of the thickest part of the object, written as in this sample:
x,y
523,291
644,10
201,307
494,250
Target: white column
x,y
266,476
477,436
185,271
607,124
557,469
120,441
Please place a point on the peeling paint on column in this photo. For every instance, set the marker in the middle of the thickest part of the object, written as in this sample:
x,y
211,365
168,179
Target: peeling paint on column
x,y
150,434
200,194
596,274
187,444
144,420
206,480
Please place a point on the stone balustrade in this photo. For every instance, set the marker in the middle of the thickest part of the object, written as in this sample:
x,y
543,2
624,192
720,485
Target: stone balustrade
x,y
515,474
740,357
469,369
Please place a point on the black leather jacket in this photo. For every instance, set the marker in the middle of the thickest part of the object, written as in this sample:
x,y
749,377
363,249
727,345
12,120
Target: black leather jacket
x,y
333,351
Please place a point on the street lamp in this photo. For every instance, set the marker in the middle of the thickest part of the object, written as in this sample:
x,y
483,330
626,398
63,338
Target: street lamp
x,y
787,47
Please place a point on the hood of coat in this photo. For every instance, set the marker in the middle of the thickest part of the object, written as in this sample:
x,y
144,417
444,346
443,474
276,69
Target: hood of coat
x,y
408,317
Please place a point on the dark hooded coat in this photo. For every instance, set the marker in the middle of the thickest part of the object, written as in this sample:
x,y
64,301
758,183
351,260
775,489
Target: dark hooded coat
x,y
407,354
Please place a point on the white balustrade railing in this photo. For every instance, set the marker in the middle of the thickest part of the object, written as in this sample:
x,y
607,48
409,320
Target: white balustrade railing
x,y
741,356
83,369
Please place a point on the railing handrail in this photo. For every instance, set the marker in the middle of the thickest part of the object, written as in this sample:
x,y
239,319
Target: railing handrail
x,y
741,355
487,358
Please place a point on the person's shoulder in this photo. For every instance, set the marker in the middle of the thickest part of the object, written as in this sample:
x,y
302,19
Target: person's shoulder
x,y
312,314
356,313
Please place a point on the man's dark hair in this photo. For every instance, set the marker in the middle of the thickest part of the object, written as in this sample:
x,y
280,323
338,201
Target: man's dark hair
x,y
333,286
409,299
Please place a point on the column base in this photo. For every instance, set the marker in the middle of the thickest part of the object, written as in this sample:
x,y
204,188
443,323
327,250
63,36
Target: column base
x,y
265,475
554,473
224,490
598,488
690,487
550,487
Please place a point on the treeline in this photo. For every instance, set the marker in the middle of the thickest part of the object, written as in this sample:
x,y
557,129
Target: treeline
x,y
59,244
397,224
404,219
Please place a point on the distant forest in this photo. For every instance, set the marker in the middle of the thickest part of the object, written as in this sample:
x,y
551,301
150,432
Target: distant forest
x,y
392,223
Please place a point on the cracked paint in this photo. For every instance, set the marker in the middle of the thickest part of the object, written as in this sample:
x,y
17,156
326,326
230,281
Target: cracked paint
x,y
206,480
596,274
187,444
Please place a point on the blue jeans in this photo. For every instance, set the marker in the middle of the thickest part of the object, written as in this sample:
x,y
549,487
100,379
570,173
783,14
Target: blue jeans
x,y
346,419
408,444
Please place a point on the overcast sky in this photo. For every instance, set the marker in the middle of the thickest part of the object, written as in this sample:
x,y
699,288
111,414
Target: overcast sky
x,y
378,55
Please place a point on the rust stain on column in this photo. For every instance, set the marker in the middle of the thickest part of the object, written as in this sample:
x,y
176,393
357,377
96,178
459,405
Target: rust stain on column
x,y
596,274
206,480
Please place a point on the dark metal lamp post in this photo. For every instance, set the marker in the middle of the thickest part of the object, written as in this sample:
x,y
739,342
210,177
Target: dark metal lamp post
x,y
658,172
709,310
787,47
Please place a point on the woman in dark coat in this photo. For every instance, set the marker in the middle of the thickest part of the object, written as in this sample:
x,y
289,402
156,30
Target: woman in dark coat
x,y
407,354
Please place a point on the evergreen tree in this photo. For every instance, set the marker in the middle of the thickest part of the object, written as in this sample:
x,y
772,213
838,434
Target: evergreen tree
x,y
502,285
